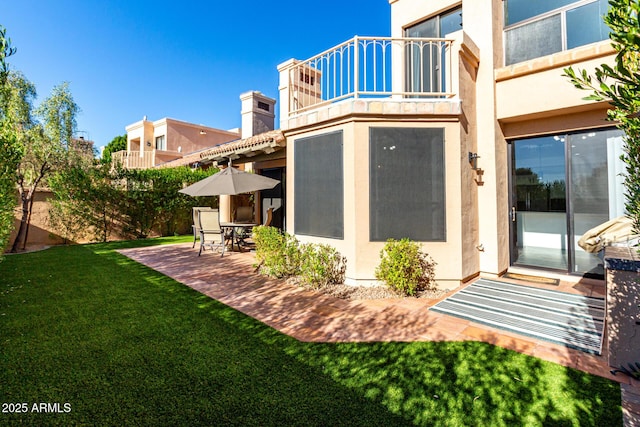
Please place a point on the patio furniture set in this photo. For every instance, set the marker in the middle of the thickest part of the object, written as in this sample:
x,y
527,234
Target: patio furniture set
x,y
214,234
206,221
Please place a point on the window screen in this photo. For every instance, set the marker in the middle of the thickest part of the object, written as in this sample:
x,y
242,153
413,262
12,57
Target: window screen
x,y
319,193
552,26
406,173
533,40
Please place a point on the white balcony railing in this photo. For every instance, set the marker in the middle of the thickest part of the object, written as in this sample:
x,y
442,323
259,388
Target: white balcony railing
x,y
132,159
371,67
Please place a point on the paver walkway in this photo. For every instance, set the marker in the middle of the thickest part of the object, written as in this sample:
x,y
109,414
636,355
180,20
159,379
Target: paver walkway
x,y
313,317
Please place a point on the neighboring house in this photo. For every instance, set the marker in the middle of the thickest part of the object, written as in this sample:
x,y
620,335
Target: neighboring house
x,y
153,143
459,131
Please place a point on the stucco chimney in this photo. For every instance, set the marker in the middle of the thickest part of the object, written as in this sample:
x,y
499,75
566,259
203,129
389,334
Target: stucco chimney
x,y
257,112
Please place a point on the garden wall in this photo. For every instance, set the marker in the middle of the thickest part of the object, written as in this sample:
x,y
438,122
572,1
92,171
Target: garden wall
x,y
42,234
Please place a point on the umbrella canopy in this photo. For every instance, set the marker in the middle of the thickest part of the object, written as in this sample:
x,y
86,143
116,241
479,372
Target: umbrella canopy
x,y
229,181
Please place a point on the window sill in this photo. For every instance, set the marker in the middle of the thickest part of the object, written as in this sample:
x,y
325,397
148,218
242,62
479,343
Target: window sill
x,y
557,60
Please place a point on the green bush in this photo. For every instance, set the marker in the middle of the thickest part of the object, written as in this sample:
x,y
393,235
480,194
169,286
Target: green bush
x,y
278,254
96,202
404,268
321,265
281,255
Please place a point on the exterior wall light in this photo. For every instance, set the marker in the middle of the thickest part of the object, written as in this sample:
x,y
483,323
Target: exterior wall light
x,y
473,159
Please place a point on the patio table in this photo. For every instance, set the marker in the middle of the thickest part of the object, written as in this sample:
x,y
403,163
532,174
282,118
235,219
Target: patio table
x,y
234,228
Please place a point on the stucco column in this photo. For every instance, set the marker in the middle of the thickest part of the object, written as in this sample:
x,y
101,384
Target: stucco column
x,y
483,22
285,91
224,205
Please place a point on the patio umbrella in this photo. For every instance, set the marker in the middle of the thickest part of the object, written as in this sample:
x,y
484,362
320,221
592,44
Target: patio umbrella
x,y
229,181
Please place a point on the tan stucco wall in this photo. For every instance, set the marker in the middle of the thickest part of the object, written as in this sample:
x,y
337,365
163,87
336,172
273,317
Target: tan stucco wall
x,y
541,84
457,258
497,103
482,21
475,133
40,230
181,138
188,137
138,134
362,255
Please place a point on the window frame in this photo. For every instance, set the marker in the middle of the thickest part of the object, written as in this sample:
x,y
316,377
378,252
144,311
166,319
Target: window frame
x,y
442,234
163,144
432,78
562,11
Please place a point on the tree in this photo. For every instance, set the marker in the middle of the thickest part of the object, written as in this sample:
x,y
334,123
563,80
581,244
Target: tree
x,y
5,51
46,145
620,85
10,152
152,200
119,143
98,200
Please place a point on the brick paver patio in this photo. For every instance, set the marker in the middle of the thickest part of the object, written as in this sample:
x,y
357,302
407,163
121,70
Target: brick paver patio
x,y
313,317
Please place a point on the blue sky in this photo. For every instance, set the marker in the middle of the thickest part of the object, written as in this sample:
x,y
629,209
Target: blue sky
x,y
189,60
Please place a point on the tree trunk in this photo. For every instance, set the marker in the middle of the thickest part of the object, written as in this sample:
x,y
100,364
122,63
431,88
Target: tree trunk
x,y
24,221
26,233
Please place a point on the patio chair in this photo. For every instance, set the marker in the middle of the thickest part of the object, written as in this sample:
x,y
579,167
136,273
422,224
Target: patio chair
x,y
196,229
243,214
269,218
210,232
247,232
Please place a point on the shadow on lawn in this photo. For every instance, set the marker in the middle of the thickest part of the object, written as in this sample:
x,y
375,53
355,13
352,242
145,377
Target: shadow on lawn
x,y
277,387
426,383
440,382
124,345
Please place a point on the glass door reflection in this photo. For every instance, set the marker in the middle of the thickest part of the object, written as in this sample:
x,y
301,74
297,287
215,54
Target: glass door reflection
x,y
540,202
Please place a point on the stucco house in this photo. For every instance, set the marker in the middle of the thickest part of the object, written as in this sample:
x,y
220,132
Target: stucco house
x,y
458,131
151,143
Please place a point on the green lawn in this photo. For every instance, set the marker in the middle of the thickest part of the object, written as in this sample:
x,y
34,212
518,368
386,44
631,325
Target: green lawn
x,y
124,345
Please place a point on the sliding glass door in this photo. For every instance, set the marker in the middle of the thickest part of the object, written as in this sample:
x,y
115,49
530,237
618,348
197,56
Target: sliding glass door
x,y
562,186
425,61
539,208
596,194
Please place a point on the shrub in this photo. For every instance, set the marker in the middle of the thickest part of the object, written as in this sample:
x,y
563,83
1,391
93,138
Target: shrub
x,y
100,201
404,268
281,255
278,254
321,265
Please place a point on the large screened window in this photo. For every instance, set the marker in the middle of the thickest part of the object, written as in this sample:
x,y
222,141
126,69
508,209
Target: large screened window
x,y
406,188
318,192
542,27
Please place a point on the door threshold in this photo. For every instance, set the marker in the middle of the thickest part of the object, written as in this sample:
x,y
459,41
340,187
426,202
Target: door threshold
x,y
551,274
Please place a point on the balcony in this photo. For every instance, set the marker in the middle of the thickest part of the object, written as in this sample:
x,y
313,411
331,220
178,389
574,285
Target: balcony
x,y
374,75
132,159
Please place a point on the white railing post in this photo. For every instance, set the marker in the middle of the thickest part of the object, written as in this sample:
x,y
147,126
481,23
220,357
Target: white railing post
x,y
356,67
